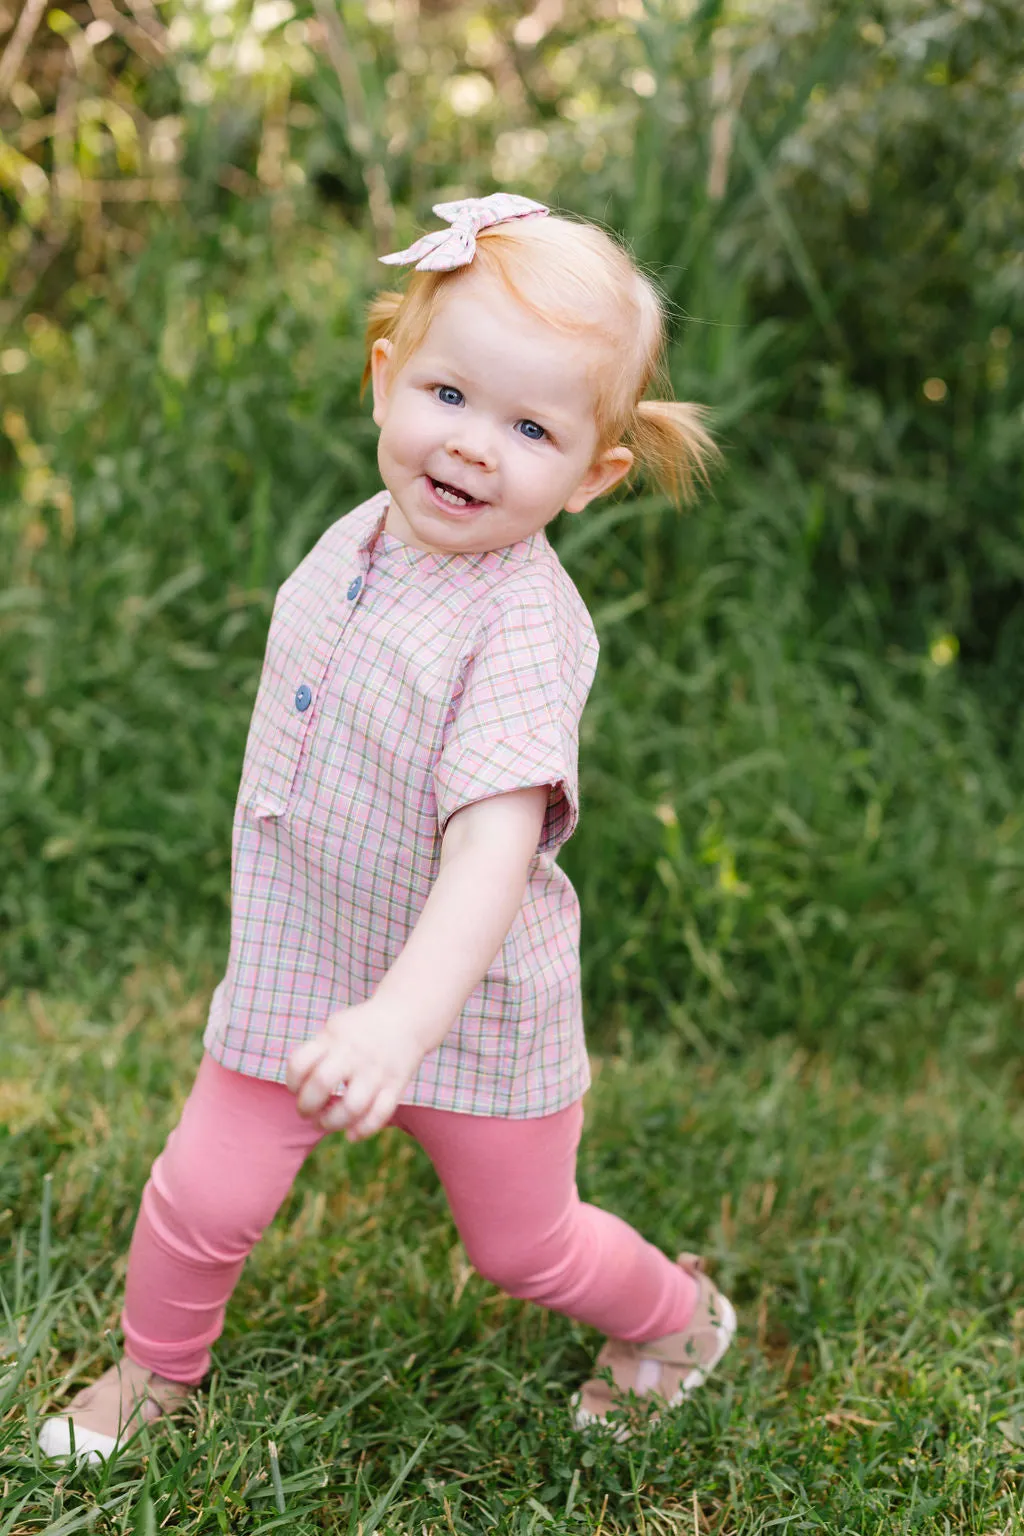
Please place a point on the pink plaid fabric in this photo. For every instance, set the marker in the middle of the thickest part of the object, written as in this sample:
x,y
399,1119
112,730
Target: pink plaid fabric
x,y
445,249
397,686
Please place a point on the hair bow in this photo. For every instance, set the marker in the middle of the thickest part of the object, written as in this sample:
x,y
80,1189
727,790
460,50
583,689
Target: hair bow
x,y
445,249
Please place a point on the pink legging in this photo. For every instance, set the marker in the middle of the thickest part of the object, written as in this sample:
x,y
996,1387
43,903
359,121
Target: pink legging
x,y
511,1186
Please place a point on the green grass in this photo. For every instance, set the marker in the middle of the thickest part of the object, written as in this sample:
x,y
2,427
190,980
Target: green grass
x,y
868,1229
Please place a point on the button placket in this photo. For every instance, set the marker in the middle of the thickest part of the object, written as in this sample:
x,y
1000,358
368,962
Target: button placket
x,y
269,782
328,642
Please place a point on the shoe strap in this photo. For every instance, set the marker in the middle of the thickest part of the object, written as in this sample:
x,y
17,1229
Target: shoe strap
x,y
693,1264
671,1350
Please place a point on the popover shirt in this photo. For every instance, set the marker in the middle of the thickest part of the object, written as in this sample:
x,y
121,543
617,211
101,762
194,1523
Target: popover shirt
x,y
399,685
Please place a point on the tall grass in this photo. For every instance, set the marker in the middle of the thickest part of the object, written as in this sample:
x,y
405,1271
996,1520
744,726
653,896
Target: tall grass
x,y
787,826
787,830
209,432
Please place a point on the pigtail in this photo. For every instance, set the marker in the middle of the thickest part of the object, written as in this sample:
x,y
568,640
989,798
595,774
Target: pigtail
x,y
380,322
673,445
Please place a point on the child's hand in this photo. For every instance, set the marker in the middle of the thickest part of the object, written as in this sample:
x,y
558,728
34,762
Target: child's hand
x,y
364,1056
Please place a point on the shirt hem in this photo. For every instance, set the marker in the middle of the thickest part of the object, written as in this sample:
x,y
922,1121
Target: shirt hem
x,y
556,1097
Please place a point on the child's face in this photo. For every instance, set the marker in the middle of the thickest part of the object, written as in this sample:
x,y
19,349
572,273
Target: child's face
x,y
488,430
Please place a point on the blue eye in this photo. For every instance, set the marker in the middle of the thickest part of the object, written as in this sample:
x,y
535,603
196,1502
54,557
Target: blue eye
x,y
533,431
449,395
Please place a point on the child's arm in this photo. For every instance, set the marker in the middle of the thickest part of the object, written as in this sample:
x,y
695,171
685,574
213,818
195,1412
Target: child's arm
x,y
375,1047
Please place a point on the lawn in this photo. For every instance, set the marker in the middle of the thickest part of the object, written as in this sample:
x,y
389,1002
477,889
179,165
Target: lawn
x,y
866,1220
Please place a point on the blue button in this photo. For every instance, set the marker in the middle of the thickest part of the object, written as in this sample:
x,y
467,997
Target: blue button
x,y
354,587
303,698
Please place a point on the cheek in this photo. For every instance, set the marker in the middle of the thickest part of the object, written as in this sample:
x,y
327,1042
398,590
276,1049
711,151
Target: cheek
x,y
411,427
539,481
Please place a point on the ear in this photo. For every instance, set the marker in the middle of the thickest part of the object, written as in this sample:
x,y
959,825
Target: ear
x,y
380,374
605,472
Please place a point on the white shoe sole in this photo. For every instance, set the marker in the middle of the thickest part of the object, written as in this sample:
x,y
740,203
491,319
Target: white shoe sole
x,y
583,1419
90,1446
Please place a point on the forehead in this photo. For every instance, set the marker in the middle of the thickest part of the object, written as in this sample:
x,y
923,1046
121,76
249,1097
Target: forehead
x,y
483,329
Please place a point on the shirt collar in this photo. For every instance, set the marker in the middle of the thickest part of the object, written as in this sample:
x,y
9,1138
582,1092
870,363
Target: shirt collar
x,y
374,516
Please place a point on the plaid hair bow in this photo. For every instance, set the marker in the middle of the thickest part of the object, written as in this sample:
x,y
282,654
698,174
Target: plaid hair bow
x,y
445,249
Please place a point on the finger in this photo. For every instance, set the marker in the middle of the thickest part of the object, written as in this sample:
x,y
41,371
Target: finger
x,y
322,1083
376,1117
335,1116
359,1095
302,1061
313,1095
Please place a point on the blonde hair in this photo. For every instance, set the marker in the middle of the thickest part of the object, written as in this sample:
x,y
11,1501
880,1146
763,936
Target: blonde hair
x,y
578,279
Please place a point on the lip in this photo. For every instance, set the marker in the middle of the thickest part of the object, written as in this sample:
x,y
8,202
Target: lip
x,y
470,510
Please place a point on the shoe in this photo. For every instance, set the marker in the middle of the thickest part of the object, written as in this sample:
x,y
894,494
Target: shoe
x,y
104,1417
658,1373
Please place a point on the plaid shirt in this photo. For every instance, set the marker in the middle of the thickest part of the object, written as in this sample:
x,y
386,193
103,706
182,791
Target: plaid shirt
x,y
398,685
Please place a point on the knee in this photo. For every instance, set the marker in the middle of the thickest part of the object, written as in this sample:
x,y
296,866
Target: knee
x,y
201,1217
529,1273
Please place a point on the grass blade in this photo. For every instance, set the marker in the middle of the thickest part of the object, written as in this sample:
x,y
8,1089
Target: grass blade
x,y
384,1503
789,235
43,1275
275,1477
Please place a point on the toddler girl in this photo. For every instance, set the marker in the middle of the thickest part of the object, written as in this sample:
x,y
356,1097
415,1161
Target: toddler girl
x,y
404,948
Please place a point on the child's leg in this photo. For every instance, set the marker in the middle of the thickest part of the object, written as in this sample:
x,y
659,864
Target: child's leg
x,y
511,1185
219,1181
226,1168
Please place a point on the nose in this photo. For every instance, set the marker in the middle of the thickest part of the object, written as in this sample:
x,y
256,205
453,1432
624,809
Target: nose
x,y
471,443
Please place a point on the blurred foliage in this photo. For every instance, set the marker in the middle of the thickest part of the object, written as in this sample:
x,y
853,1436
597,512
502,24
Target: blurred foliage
x,y
803,753
838,184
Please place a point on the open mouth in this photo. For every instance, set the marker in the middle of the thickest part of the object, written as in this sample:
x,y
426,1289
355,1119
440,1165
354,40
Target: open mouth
x,y
452,495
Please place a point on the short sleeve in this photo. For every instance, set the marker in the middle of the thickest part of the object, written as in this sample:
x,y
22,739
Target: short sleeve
x,y
515,723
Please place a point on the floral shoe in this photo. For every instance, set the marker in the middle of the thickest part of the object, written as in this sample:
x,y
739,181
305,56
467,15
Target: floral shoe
x,y
659,1373
102,1418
